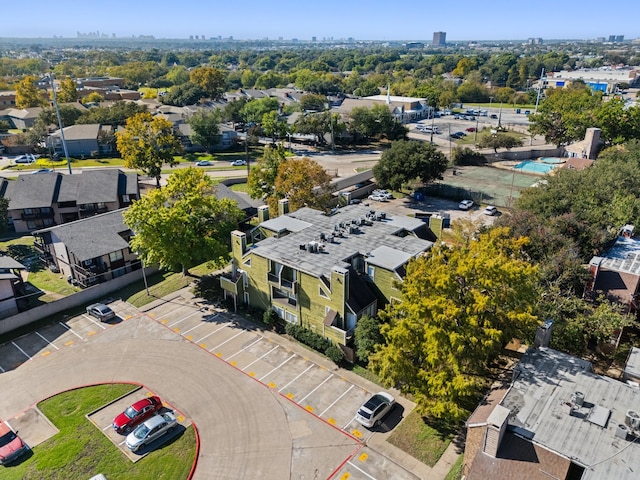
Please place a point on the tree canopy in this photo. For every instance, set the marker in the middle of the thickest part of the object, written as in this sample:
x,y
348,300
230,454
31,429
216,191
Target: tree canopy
x,y
460,306
407,160
27,94
205,125
262,177
147,143
304,182
183,224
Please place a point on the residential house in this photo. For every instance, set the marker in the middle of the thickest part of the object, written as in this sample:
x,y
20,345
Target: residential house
x,y
22,118
616,273
10,285
324,271
557,419
89,251
587,148
83,140
7,99
48,199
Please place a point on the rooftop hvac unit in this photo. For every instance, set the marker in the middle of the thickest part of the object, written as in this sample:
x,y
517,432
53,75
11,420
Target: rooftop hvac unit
x,y
383,215
577,399
632,419
622,431
323,236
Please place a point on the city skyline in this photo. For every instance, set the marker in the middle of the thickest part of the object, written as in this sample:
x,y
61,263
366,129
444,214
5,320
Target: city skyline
x,y
375,20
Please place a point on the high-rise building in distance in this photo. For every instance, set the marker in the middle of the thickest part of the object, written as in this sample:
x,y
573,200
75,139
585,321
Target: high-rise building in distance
x,y
439,38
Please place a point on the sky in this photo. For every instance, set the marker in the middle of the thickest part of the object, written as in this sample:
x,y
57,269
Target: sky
x,y
362,20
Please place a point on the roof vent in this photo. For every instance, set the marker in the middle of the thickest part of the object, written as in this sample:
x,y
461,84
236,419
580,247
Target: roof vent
x,y
622,431
632,419
577,399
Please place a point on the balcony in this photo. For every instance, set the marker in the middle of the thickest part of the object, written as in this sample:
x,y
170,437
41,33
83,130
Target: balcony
x,y
280,282
230,282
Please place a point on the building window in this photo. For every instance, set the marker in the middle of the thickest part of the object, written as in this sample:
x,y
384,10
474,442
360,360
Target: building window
x,y
247,262
115,256
291,318
279,311
28,211
322,293
31,225
246,298
101,205
371,272
125,198
47,222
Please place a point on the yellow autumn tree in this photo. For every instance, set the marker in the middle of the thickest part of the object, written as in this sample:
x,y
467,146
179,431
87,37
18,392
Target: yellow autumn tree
x,y
304,182
460,306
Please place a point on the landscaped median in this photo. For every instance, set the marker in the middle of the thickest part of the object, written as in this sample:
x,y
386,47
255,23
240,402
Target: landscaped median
x,y
80,450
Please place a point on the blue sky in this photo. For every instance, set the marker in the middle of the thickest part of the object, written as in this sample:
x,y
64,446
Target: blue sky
x,y
362,20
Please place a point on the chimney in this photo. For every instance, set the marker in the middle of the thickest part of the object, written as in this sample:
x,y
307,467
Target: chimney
x,y
263,213
283,206
543,334
592,137
238,244
496,428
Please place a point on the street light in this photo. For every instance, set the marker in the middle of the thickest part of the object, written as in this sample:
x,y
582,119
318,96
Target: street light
x,y
500,116
55,104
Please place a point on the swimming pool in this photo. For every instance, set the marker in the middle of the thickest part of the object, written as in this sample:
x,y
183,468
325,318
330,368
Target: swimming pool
x,y
553,160
535,167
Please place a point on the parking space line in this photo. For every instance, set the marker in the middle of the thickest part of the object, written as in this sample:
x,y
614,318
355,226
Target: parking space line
x,y
216,330
228,340
192,328
37,333
99,324
3,370
337,400
71,330
183,319
276,368
349,423
308,394
106,428
361,471
299,375
248,346
262,356
25,353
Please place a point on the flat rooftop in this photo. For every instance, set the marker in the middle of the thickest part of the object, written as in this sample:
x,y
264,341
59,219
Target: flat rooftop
x,y
343,236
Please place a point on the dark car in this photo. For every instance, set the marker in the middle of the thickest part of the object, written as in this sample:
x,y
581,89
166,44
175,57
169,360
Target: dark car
x,y
494,116
136,414
101,312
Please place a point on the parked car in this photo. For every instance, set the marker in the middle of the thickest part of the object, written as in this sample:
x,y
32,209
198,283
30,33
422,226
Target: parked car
x,y
43,170
456,135
470,129
377,198
388,195
27,158
203,163
101,312
136,414
493,115
238,163
465,204
527,112
374,409
11,445
490,210
152,429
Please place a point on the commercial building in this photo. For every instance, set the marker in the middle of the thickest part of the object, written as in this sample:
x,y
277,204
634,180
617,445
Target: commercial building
x,y
439,39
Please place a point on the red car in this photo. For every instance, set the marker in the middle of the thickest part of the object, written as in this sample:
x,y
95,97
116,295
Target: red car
x,y
136,413
471,129
11,445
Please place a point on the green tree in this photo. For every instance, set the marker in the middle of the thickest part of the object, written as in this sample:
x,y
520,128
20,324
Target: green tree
x,y
253,110
498,140
407,160
205,125
314,102
147,143
262,177
183,224
178,75
233,111
618,122
184,94
93,97
565,114
304,182
366,337
211,80
27,94
68,92
273,126
461,305
116,114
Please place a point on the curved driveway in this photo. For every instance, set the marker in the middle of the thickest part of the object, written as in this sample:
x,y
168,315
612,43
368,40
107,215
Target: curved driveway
x,y
246,429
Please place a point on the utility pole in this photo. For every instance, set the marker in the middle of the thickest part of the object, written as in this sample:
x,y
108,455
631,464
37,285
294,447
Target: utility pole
x,y
535,110
55,104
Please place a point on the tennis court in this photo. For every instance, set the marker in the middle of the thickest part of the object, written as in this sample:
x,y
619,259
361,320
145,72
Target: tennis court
x,y
484,185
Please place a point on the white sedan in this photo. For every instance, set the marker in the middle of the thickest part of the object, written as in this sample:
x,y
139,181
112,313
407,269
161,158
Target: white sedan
x,y
465,204
150,430
375,409
238,163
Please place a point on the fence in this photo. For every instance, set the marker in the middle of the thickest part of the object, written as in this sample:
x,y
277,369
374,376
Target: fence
x,y
72,301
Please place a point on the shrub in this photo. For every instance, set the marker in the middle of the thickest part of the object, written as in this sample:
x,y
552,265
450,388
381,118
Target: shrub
x,y
269,317
335,353
315,341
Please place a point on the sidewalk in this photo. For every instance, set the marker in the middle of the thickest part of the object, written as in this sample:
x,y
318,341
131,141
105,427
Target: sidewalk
x,y
378,440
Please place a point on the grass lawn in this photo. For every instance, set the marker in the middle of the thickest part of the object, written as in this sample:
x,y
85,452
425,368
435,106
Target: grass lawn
x,y
80,450
420,440
240,187
456,471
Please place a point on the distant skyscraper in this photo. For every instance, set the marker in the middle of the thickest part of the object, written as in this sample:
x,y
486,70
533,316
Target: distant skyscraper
x,y
612,38
439,38
620,38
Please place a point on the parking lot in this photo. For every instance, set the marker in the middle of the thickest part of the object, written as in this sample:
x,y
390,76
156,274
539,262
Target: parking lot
x,y
319,390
